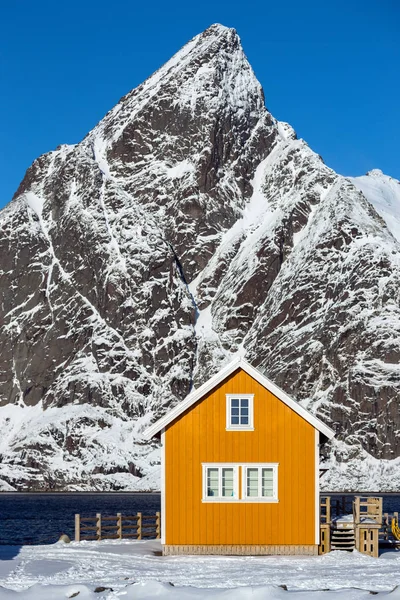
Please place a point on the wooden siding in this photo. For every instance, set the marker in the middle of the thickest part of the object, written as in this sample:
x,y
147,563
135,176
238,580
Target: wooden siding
x,y
199,436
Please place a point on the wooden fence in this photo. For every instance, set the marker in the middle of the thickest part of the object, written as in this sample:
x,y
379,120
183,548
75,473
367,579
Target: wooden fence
x,y
325,510
367,507
117,527
341,505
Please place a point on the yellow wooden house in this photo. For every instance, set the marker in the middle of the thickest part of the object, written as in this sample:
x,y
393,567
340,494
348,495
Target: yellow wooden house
x,y
240,469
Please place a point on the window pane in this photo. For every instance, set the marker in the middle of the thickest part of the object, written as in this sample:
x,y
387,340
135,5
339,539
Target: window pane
x,y
267,482
227,482
212,482
239,412
252,482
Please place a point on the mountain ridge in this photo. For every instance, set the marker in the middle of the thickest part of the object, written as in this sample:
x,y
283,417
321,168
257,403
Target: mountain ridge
x,y
187,227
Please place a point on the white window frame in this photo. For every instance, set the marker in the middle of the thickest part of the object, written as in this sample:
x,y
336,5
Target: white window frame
x,y
260,498
229,426
221,466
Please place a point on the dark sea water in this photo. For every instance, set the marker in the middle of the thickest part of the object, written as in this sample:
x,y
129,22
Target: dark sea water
x,y
390,504
42,518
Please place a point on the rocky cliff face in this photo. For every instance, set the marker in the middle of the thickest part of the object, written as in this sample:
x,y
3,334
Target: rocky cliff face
x,y
187,227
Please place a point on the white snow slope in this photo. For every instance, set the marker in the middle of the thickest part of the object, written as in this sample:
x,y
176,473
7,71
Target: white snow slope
x,y
132,570
384,193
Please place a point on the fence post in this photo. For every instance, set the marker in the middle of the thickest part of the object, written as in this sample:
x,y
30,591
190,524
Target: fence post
x,y
356,510
356,521
119,526
385,526
98,526
158,525
380,508
325,540
77,527
139,526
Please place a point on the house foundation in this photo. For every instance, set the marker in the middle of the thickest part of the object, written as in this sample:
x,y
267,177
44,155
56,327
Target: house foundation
x,y
241,550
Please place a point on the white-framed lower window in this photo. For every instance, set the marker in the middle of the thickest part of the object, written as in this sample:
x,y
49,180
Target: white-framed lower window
x,y
239,412
260,482
220,482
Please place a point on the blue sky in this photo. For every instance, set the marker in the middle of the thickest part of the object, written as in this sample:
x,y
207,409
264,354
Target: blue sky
x,y
329,68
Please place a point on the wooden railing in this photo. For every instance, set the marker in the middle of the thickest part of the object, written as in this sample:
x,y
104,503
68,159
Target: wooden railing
x,y
367,507
117,527
325,525
325,509
367,521
341,505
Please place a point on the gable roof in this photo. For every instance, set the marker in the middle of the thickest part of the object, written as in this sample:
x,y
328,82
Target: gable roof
x,y
238,363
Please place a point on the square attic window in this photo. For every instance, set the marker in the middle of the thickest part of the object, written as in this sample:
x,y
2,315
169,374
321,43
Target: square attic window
x,y
239,412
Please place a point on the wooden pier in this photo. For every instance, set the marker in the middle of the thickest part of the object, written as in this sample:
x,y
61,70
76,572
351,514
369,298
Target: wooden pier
x,y
118,527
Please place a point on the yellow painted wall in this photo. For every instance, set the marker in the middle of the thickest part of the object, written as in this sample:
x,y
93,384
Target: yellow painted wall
x,y
199,436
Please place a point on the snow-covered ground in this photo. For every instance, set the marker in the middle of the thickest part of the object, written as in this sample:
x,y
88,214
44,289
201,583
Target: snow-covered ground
x,y
135,570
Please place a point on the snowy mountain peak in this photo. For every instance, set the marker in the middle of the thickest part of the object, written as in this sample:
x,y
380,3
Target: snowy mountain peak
x,y
218,29
220,34
187,227
383,192
210,72
375,173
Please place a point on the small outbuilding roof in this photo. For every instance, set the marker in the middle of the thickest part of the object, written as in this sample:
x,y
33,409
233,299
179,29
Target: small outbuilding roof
x,y
238,363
